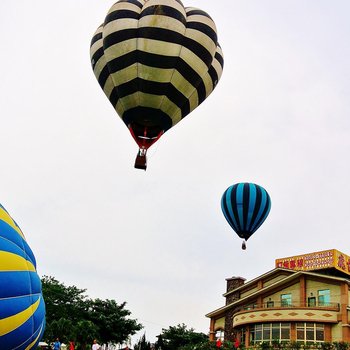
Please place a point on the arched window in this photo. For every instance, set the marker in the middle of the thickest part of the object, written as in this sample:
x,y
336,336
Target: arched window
x,y
219,334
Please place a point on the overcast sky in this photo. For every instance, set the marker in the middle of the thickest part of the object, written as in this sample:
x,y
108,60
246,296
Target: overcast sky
x,y
279,117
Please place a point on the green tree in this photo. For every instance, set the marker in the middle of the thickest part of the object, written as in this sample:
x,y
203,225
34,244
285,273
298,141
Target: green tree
x,y
178,337
160,343
142,344
62,301
112,320
86,331
341,345
62,328
71,315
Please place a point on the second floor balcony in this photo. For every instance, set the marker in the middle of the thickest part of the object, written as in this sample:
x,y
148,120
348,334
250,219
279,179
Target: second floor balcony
x,y
291,305
286,312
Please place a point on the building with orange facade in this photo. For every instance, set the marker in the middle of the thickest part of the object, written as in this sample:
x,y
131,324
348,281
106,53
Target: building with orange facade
x,y
304,298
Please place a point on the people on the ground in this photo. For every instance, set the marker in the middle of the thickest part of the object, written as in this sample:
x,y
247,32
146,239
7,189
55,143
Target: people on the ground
x,y
71,345
57,344
95,345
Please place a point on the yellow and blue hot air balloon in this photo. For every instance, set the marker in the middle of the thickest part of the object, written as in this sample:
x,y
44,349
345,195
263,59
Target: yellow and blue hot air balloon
x,y
156,61
22,308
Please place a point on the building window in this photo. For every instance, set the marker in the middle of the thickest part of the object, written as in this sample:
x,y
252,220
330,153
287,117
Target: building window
x,y
266,334
311,301
324,297
219,334
269,332
270,303
256,333
241,335
285,331
286,300
308,332
250,306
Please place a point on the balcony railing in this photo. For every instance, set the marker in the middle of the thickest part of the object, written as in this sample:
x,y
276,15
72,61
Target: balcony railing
x,y
294,305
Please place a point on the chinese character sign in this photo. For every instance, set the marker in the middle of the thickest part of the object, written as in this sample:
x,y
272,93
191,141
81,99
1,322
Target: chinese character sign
x,y
315,261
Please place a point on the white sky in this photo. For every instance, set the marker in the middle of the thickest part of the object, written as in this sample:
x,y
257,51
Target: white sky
x,y
279,117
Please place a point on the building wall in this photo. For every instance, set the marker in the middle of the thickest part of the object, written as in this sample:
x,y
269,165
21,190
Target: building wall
x,y
219,323
276,296
249,291
337,333
313,287
271,281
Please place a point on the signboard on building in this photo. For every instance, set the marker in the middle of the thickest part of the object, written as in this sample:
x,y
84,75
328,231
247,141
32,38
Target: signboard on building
x,y
315,261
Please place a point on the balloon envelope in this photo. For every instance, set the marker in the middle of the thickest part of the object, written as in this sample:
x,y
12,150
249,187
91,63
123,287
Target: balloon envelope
x,y
156,61
245,207
22,308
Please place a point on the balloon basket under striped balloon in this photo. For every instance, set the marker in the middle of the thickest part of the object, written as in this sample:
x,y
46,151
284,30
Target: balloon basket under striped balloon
x,y
141,159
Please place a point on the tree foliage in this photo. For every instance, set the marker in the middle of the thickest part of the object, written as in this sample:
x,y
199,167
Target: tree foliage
x,y
112,319
179,337
71,315
143,344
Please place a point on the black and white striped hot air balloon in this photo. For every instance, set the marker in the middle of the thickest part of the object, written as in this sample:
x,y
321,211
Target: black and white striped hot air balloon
x,y
156,61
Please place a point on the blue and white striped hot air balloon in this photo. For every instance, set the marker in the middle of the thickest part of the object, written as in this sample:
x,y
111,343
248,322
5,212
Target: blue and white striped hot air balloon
x,y
245,207
22,308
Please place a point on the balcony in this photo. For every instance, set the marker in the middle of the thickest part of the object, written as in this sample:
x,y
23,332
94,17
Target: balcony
x,y
278,305
282,312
